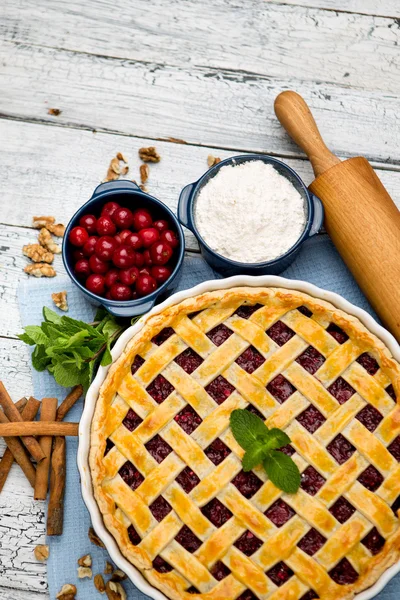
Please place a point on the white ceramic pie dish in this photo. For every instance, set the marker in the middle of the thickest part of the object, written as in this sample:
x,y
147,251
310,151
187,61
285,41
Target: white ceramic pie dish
x,y
85,423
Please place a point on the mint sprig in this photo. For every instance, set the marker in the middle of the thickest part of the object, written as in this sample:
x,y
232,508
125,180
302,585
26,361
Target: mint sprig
x,y
261,445
71,349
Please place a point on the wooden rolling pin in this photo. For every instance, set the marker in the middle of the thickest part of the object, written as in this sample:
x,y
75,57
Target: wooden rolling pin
x,y
360,216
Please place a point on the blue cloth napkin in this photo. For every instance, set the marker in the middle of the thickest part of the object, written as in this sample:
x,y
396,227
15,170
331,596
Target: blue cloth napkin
x,y
318,263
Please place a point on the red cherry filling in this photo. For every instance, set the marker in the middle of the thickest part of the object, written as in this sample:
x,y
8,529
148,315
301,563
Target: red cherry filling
x,y
374,541
247,595
250,360
337,333
188,539
305,311
158,448
255,411
134,537
311,542
341,449
310,595
311,481
219,571
188,419
394,448
368,362
132,477
132,420
371,478
219,334
248,543
342,510
280,388
369,417
109,446
344,573
159,389
311,418
160,508
288,450
391,392
162,337
216,512
279,513
396,505
161,565
188,360
219,389
341,390
280,333
137,363
192,590
247,483
246,310
311,360
280,573
217,451
187,479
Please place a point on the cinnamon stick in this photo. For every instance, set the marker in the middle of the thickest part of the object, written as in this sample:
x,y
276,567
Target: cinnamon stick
x,y
24,429
48,412
55,511
12,413
8,457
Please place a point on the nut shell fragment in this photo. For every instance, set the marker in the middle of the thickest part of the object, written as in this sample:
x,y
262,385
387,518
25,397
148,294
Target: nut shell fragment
x,y
41,552
37,253
47,241
149,154
60,300
99,583
118,575
212,160
108,569
115,591
40,270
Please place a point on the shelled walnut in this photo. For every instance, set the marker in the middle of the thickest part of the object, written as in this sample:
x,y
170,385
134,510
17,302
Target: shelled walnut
x,y
49,223
212,160
85,572
149,154
115,591
94,538
144,173
47,241
118,575
60,300
99,583
108,569
67,592
37,253
41,552
85,561
40,270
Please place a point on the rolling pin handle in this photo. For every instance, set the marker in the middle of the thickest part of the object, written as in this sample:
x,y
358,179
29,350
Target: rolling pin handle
x,y
318,217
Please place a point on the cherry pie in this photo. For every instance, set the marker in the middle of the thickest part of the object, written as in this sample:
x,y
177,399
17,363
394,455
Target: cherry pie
x,y
167,471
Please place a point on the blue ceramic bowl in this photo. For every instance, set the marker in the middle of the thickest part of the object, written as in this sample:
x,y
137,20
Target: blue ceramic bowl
x,y
128,194
312,204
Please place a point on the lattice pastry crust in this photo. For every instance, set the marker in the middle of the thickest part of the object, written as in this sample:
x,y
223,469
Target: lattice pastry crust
x,y
166,469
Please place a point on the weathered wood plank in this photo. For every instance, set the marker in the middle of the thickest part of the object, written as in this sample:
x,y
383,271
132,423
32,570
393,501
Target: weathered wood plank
x,y
12,594
200,105
385,8
259,37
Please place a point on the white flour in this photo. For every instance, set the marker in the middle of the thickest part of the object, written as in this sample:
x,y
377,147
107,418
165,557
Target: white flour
x,y
249,212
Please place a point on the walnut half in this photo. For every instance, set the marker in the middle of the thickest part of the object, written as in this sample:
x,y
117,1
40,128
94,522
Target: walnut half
x,y
84,572
67,592
37,253
41,552
149,154
47,241
60,300
40,270
212,160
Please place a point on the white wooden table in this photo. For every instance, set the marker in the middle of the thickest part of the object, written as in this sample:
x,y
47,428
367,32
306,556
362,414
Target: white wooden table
x,y
156,72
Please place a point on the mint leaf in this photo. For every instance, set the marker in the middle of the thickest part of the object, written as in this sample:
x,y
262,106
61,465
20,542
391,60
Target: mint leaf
x,y
39,358
276,439
254,456
24,337
110,328
247,428
36,334
107,358
67,374
50,316
282,471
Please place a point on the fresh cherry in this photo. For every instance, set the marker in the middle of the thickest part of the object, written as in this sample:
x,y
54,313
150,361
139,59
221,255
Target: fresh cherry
x,y
161,225
134,240
97,265
78,236
124,234
111,277
144,271
89,223
141,219
78,254
90,246
119,291
160,273
139,259
95,284
109,209
160,253
145,284
149,236
124,257
105,247
129,276
147,258
170,238
118,239
82,268
108,295
123,218
105,226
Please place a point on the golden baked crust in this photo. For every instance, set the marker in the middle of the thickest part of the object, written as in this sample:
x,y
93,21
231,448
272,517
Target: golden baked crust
x,y
190,573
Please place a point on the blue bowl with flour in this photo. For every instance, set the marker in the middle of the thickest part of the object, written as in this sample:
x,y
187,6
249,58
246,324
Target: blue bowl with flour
x,y
314,213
